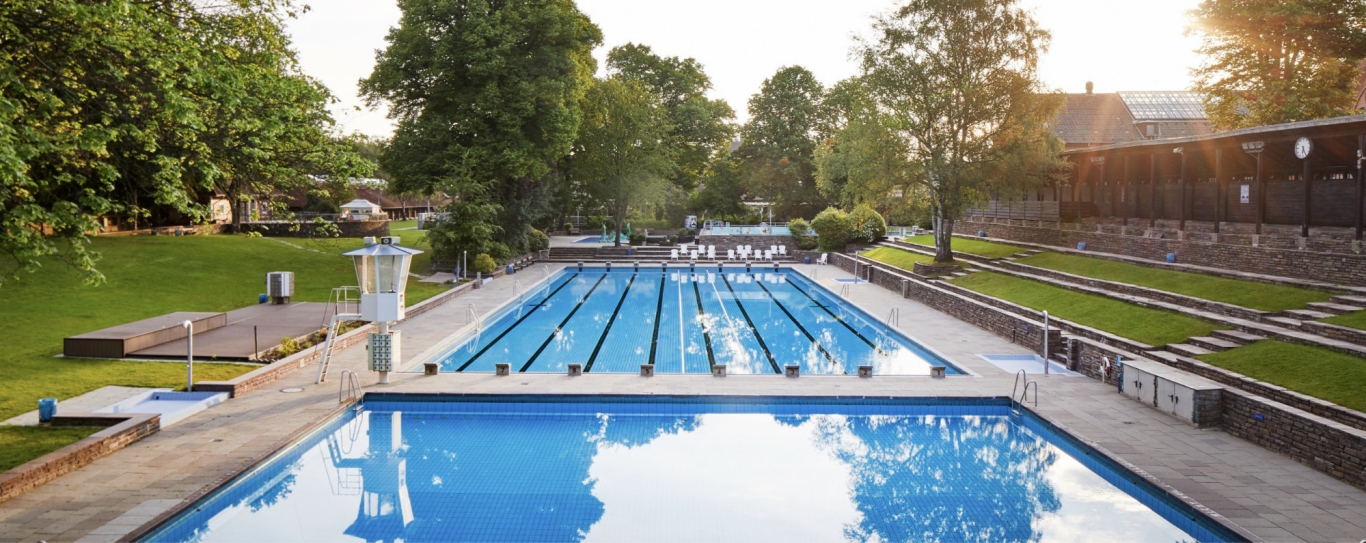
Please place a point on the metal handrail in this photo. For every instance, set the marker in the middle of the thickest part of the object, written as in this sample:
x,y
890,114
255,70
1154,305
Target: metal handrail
x,y
893,318
1019,376
1024,394
472,316
348,387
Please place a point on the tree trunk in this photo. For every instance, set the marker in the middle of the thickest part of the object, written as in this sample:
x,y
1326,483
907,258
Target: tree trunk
x,y
943,236
619,216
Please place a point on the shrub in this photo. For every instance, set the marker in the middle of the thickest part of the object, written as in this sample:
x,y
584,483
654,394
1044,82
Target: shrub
x,y
637,238
568,226
536,240
484,263
867,225
499,252
799,227
807,243
288,346
833,229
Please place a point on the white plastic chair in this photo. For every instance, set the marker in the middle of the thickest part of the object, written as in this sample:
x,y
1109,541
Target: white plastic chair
x,y
692,255
673,254
768,255
711,248
711,253
825,257
782,250
730,254
773,249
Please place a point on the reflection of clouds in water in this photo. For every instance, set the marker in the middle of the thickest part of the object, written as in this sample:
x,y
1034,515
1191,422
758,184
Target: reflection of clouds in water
x,y
1093,510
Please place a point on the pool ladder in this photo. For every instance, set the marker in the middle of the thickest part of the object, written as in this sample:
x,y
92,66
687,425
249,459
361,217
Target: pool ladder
x,y
1021,376
472,316
348,389
845,289
893,318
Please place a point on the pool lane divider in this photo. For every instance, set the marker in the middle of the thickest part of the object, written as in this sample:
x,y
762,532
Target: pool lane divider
x,y
800,327
659,308
589,366
562,323
837,318
752,329
706,337
519,321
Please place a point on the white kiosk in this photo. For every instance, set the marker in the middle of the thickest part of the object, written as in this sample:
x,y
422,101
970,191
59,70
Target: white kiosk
x,y
382,272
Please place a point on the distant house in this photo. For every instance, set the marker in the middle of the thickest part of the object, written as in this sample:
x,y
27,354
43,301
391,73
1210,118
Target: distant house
x,y
1094,119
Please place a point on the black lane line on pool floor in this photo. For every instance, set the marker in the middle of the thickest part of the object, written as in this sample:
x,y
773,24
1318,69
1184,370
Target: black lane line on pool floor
x,y
752,329
659,307
557,329
589,366
706,337
800,327
837,318
519,321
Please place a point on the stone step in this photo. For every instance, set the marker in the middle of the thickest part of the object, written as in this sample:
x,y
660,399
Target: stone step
x,y
1186,349
1306,314
1237,336
1213,343
1164,355
1334,308
1350,300
1284,321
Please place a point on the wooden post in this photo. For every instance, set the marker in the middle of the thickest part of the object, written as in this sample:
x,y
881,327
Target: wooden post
x,y
1152,190
1218,188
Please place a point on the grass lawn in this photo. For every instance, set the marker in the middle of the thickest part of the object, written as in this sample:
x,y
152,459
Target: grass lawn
x,y
1315,371
1263,296
148,276
396,226
1152,326
19,444
1351,320
985,249
902,259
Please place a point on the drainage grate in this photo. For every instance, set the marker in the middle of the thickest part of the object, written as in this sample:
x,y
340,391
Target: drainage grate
x,y
291,390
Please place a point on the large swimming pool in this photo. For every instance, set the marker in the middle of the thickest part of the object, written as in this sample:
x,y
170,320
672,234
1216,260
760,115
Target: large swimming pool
x,y
686,321
616,468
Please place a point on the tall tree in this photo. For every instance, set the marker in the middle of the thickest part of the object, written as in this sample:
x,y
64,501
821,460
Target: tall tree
x,y
486,94
622,156
111,108
956,83
721,191
699,127
779,141
1278,61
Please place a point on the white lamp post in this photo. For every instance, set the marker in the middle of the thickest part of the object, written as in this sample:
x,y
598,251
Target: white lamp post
x,y
382,272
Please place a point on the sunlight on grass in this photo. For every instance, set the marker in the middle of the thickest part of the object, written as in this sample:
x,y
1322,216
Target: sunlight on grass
x,y
1263,296
19,444
1152,326
1356,319
905,260
986,249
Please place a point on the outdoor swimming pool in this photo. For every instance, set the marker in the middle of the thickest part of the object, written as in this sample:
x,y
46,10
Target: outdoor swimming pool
x,y
686,322
621,468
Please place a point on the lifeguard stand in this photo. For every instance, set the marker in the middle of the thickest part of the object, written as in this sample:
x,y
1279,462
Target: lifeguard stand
x,y
382,273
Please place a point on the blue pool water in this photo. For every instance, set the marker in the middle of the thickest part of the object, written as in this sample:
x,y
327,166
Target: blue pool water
x,y
748,231
510,468
686,322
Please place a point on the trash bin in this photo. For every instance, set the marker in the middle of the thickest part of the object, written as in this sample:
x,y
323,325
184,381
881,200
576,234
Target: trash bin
x,y
628,252
807,260
981,233
511,270
262,298
1081,246
1171,258
47,408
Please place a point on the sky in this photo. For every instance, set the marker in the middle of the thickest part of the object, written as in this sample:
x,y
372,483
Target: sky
x,y
1118,44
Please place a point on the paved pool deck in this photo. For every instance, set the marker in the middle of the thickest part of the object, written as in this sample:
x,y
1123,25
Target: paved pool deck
x,y
1265,493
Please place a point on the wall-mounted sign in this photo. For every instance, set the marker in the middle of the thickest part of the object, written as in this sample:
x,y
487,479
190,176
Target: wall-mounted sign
x,y
1244,194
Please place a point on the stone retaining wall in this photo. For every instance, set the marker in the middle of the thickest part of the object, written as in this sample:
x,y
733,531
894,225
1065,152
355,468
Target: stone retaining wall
x,y
1133,290
1334,331
1319,261
761,243
1330,447
123,429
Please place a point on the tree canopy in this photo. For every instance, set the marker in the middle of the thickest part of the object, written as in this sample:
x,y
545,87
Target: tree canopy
x,y
1278,61
487,98
622,155
955,93
778,143
110,108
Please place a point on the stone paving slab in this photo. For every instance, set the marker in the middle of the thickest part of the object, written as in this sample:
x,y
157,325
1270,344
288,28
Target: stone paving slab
x,y
1260,491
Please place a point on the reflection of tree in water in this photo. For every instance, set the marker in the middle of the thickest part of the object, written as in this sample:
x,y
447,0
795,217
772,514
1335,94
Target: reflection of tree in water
x,y
491,477
277,492
932,478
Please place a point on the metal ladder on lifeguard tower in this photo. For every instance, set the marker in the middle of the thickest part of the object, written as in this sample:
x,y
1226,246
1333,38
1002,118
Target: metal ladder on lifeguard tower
x,y
344,304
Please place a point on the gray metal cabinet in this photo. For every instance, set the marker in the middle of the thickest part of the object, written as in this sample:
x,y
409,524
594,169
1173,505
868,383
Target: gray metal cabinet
x,y
1188,397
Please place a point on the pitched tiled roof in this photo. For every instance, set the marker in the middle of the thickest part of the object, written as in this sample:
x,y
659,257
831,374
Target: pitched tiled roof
x,y
1095,119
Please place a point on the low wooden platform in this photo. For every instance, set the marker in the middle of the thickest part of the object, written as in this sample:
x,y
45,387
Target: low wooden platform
x,y
119,341
236,341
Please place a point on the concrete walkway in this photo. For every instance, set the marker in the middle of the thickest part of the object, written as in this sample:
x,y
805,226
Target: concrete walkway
x,y
1265,493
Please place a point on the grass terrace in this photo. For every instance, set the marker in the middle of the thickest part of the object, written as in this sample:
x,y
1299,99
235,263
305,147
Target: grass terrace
x,y
985,249
1351,320
1250,294
1315,371
905,260
146,276
1152,326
